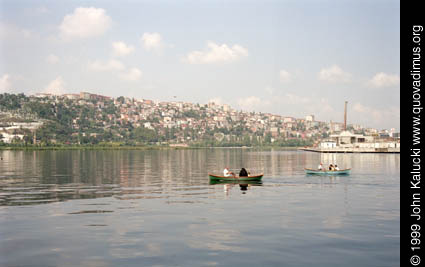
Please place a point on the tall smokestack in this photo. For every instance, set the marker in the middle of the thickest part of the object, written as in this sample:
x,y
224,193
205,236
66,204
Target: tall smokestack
x,y
345,116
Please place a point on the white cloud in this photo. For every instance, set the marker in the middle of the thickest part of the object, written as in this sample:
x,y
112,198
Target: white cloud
x,y
127,74
270,90
131,75
5,84
216,54
360,108
297,100
377,116
122,49
12,32
382,79
368,111
56,87
52,59
311,104
111,65
251,103
334,74
216,100
293,102
285,76
307,104
85,22
298,104
152,41
324,107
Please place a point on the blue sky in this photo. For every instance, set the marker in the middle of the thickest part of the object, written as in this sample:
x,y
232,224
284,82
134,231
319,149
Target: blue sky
x,y
292,58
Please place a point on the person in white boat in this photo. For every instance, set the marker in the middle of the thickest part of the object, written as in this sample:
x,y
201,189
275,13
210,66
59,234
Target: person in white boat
x,y
320,167
227,173
336,168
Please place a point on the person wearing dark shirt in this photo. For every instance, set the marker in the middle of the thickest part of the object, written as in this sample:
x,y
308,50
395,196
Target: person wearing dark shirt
x,y
243,173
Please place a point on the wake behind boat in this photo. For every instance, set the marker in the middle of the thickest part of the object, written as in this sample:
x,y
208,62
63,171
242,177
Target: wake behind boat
x,y
327,172
215,177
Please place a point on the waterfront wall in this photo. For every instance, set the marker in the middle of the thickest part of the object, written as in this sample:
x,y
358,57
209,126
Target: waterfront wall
x,y
354,149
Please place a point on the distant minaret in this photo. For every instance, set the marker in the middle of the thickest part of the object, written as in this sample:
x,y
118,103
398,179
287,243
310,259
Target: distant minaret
x,y
345,116
34,141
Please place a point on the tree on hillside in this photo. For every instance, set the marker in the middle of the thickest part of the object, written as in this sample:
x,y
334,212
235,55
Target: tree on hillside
x,y
145,135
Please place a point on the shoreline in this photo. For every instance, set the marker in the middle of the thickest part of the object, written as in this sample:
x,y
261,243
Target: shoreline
x,y
41,148
352,150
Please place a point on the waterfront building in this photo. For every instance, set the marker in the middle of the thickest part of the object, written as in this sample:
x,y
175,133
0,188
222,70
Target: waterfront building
x,y
348,138
328,143
349,142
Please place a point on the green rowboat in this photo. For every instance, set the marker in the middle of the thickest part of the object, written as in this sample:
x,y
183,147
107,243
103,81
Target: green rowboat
x,y
319,172
214,177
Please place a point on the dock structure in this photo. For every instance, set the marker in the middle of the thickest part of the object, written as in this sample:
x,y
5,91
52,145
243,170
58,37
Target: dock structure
x,y
346,142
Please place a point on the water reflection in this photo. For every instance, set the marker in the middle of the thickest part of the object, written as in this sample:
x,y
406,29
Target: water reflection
x,y
38,177
229,185
132,208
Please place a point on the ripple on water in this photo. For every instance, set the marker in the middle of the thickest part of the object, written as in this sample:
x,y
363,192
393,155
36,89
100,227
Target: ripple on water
x,y
158,208
47,193
91,211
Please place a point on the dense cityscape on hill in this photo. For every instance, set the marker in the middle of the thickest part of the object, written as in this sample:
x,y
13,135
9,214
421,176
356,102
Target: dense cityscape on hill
x,y
90,119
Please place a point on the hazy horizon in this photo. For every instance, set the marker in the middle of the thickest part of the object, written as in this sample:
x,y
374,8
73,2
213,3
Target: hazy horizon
x,y
292,58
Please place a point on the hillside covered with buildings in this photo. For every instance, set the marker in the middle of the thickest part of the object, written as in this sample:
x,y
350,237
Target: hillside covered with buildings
x,y
90,119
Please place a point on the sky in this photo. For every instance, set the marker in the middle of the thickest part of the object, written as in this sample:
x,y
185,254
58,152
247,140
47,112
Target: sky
x,y
292,58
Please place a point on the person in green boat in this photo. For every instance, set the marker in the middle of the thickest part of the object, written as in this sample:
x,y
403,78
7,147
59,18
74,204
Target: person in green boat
x,y
228,173
243,173
336,168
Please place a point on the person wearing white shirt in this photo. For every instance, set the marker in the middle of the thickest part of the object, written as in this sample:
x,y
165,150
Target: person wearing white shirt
x,y
320,167
227,173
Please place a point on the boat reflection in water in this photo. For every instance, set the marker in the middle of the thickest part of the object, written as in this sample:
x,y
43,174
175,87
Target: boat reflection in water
x,y
244,186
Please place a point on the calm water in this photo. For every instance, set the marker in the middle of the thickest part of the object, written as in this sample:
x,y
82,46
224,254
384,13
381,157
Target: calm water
x,y
157,208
